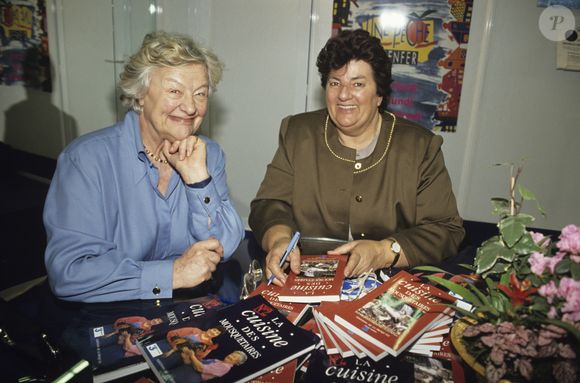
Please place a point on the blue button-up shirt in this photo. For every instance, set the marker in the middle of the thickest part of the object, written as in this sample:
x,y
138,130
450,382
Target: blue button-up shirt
x,y
111,234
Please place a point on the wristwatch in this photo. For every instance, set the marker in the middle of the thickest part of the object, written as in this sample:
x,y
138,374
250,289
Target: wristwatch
x,y
396,249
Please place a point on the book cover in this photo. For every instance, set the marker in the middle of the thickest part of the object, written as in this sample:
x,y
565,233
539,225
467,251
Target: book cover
x,y
106,335
254,338
293,311
323,368
320,279
283,374
331,344
396,313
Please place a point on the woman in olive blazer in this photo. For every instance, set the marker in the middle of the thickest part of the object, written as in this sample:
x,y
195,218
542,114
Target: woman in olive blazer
x,y
356,172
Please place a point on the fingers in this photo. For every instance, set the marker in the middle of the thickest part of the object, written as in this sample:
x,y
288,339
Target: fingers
x,y
344,249
273,268
295,261
211,244
350,268
190,145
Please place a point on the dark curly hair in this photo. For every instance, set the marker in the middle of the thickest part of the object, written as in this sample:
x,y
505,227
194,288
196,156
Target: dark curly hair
x,y
357,44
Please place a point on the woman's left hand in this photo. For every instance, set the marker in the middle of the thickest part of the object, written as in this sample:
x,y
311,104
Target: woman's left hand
x,y
365,255
188,158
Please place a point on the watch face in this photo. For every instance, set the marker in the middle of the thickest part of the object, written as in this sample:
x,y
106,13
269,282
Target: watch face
x,y
395,247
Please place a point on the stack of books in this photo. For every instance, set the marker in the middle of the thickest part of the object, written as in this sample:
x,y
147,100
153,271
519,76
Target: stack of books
x,y
402,314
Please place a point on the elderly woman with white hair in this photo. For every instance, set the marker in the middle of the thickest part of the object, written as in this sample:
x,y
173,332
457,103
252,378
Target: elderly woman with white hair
x,y
142,208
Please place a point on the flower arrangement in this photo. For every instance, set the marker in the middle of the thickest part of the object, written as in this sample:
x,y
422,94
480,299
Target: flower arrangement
x,y
525,292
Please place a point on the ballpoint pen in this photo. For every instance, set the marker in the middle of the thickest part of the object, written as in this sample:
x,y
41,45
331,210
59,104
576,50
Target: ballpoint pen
x,y
287,252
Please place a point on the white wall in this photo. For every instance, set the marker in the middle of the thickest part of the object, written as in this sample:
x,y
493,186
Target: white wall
x,y
514,104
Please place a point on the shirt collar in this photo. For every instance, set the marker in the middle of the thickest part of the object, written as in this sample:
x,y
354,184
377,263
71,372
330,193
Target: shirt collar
x,y
139,157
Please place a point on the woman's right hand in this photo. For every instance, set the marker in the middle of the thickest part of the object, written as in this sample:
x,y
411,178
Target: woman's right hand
x,y
197,263
276,240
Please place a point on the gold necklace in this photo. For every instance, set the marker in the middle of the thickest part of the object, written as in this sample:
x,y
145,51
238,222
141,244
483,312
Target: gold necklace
x,y
358,170
152,155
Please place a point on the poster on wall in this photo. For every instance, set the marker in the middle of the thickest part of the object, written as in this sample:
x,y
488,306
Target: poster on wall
x,y
24,58
427,43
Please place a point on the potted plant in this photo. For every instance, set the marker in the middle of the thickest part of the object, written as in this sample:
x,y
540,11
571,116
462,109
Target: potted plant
x,y
525,293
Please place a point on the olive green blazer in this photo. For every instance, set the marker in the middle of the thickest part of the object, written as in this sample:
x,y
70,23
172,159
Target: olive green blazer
x,y
406,196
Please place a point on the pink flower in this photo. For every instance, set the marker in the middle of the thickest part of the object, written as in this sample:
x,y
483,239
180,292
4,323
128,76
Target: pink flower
x,y
570,239
540,239
575,258
570,290
538,263
553,261
568,286
549,291
553,313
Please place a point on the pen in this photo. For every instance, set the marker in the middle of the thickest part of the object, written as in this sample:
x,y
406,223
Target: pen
x,y
287,252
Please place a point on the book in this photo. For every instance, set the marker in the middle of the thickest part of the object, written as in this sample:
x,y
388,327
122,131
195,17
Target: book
x,y
424,345
254,339
106,334
293,311
395,314
283,374
324,368
320,279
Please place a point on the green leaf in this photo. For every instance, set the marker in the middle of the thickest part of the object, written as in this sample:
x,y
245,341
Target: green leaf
x,y
536,281
541,307
467,266
498,300
505,279
526,245
487,256
488,309
563,267
575,270
430,268
482,297
500,207
526,194
513,227
465,312
457,289
484,261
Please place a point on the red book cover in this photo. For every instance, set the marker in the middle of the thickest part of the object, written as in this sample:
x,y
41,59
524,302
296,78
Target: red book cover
x,y
326,311
291,310
327,341
345,349
320,279
396,313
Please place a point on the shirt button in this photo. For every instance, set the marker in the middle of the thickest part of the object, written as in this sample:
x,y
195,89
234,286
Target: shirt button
x,y
156,290
357,166
207,200
358,198
362,235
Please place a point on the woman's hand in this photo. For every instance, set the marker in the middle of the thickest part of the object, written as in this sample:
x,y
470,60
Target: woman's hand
x,y
197,263
188,158
276,240
365,255
273,261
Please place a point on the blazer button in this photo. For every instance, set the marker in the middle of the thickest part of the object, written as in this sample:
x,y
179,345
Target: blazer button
x,y
207,200
358,198
156,290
